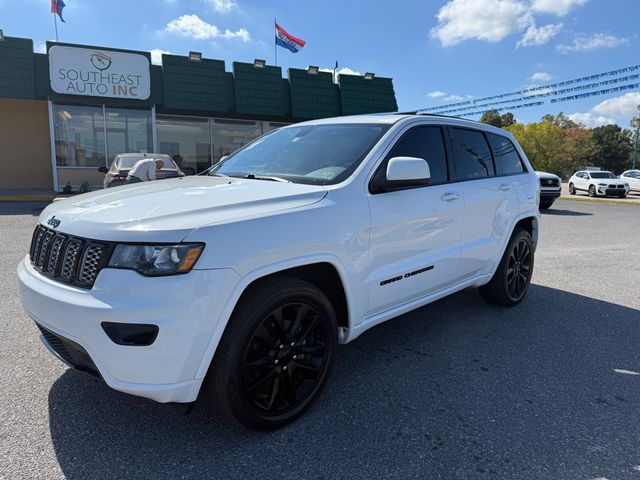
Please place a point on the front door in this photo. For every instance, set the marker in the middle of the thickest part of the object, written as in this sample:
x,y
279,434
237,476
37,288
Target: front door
x,y
415,232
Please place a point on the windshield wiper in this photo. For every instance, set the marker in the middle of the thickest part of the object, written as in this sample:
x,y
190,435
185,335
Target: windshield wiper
x,y
253,176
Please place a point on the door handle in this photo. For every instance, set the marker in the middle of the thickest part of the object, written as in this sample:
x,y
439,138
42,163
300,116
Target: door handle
x,y
505,187
450,197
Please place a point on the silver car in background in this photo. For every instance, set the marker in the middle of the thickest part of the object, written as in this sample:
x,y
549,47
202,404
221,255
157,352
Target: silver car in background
x,y
117,174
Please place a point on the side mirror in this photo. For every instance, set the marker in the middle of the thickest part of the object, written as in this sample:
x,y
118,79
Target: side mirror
x,y
103,169
223,158
404,172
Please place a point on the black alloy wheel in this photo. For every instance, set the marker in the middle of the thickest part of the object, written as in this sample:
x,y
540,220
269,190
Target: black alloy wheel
x,y
572,189
510,282
275,355
284,359
592,191
519,269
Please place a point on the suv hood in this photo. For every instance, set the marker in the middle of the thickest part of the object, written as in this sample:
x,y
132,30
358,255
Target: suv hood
x,y
546,175
168,210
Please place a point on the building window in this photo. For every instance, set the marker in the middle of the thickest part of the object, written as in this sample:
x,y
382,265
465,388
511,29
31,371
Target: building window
x,y
79,136
229,135
187,140
128,131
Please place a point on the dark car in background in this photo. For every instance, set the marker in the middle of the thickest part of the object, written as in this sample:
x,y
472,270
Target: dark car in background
x,y
117,174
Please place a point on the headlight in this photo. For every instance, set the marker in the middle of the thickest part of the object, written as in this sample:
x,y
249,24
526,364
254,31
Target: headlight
x,y
626,185
156,260
602,184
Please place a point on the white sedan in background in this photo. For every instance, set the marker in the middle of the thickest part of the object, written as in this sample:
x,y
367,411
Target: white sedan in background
x,y
598,183
632,177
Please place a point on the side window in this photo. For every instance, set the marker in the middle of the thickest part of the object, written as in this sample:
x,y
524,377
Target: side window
x,y
427,143
508,162
473,157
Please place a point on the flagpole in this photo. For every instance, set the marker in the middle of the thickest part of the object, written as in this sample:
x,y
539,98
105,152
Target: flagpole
x,y
275,45
55,21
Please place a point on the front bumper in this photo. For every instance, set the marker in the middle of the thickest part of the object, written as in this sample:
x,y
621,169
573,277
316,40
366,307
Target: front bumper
x,y
549,194
186,308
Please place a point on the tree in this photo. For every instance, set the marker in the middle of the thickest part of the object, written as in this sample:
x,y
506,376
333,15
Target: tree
x,y
542,142
613,147
493,117
578,148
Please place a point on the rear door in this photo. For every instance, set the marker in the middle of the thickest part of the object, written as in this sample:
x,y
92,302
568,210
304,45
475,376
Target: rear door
x,y
415,232
491,197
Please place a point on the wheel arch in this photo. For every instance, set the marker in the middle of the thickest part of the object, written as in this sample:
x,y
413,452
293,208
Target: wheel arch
x,y
326,272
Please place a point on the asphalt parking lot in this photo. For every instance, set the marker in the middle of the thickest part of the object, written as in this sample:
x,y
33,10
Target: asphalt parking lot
x,y
456,390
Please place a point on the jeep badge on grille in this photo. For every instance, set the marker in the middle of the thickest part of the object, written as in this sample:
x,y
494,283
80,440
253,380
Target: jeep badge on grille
x,y
54,222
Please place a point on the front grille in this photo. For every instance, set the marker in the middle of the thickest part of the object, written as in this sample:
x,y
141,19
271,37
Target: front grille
x,y
549,182
72,353
68,259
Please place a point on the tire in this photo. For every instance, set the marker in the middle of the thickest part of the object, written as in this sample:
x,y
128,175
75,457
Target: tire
x,y
592,191
516,266
545,206
572,189
276,354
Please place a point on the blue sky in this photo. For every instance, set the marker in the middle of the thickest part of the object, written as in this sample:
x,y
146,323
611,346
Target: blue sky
x,y
436,51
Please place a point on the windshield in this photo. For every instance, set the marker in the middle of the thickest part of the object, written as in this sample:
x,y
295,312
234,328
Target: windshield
x,y
602,175
312,154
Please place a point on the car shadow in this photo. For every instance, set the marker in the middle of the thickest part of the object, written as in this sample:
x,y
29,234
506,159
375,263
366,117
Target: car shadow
x,y
22,208
456,389
564,213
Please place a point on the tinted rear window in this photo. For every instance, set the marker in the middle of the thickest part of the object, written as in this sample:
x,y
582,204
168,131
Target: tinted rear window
x,y
508,161
473,157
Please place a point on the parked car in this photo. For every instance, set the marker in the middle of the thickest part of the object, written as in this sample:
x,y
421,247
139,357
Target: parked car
x,y
244,279
632,177
122,163
550,189
598,183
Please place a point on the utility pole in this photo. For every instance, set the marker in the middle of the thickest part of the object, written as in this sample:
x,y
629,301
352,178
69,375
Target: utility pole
x,y
635,123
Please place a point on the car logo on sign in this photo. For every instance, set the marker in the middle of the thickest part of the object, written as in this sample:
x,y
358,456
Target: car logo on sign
x,y
54,222
100,61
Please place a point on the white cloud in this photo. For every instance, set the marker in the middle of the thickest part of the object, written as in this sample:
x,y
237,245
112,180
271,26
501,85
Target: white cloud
x,y
156,56
556,7
40,47
194,27
534,36
493,20
584,43
488,20
590,120
453,98
622,107
541,77
224,6
618,110
436,94
339,71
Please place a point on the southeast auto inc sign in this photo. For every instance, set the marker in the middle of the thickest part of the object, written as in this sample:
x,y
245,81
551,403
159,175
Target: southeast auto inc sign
x,y
99,73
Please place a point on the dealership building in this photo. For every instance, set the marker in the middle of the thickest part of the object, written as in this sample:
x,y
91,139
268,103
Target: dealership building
x,y
68,112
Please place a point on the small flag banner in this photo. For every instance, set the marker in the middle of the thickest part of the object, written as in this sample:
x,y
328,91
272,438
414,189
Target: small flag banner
x,y
288,41
56,7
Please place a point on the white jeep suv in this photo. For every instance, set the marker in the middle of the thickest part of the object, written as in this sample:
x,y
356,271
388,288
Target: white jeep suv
x,y
245,278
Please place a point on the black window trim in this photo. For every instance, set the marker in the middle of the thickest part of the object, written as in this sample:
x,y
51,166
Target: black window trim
x,y
447,151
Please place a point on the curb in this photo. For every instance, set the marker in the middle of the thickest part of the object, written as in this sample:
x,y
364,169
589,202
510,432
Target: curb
x,y
609,201
27,198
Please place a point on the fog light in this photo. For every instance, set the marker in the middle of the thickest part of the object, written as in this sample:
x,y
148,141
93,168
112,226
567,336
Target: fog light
x,y
131,334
